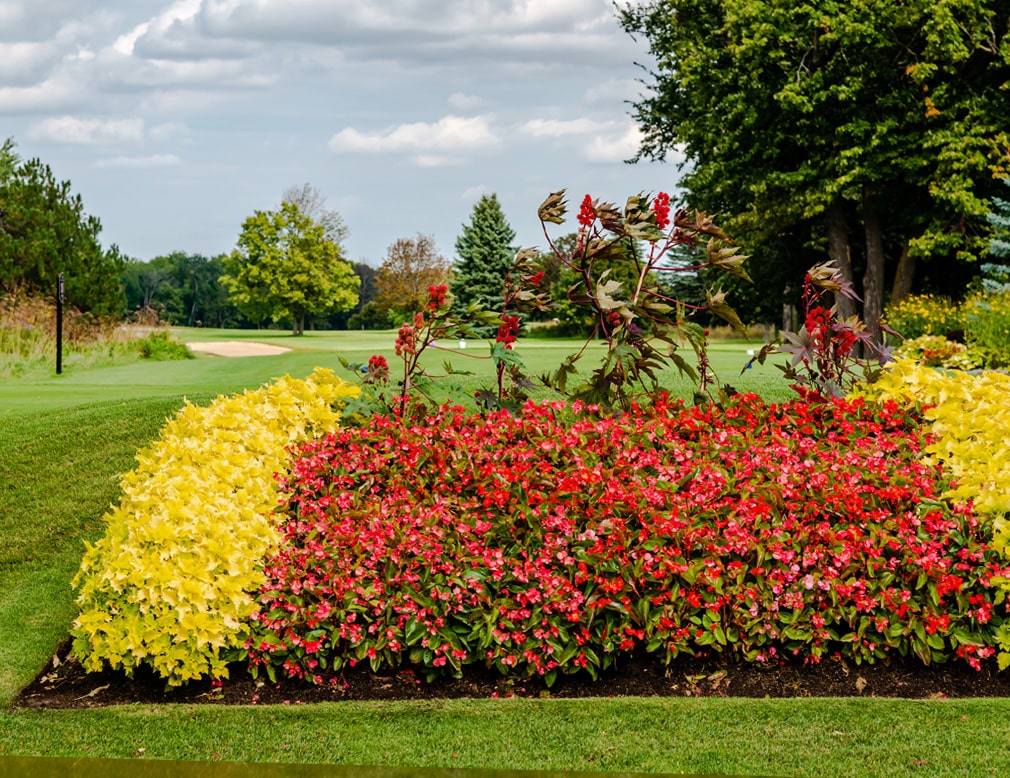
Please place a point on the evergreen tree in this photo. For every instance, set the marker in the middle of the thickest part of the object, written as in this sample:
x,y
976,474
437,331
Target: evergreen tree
x,y
9,159
486,255
999,219
44,231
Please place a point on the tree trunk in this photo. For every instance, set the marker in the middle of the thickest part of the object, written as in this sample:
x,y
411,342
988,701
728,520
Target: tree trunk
x,y
789,317
904,277
192,308
873,280
839,252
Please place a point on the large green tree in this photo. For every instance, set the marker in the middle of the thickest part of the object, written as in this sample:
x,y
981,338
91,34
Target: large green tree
x,y
44,231
485,256
285,269
871,131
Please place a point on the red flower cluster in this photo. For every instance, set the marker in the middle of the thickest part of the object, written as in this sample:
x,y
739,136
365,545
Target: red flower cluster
x,y
587,214
828,337
536,279
555,541
405,340
436,296
818,322
378,369
507,330
661,207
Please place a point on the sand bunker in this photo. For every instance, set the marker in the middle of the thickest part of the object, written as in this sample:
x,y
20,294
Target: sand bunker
x,y
236,348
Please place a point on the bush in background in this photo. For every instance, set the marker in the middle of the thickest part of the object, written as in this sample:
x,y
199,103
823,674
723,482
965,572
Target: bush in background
x,y
987,326
927,314
159,346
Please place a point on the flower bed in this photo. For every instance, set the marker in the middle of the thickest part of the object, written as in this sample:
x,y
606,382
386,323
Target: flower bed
x,y
557,541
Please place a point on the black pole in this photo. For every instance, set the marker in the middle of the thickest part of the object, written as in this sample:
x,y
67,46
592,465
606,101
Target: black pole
x,y
59,324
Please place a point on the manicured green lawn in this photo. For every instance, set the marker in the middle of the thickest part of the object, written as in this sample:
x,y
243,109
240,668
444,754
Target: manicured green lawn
x,y
216,375
63,443
839,738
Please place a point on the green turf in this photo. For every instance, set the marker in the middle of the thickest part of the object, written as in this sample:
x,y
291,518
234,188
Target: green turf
x,y
216,375
838,738
58,476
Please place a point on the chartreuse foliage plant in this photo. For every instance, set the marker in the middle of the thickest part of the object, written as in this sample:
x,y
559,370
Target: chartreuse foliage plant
x,y
937,351
559,541
169,583
969,416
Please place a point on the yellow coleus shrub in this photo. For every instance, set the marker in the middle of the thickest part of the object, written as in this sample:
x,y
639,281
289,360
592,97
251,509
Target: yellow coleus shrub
x,y
969,415
169,583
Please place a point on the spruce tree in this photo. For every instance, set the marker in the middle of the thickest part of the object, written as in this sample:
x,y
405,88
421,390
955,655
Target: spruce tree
x,y
485,256
999,220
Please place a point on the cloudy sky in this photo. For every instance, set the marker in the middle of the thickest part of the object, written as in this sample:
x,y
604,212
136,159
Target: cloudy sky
x,y
176,120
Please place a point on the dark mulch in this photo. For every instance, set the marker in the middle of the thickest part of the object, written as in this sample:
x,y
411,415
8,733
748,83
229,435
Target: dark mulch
x,y
63,684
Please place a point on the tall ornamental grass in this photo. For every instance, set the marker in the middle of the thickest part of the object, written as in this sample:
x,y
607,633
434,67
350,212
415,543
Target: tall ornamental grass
x,y
28,338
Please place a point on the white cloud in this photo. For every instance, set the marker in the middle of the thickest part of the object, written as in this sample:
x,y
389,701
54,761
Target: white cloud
x,y
25,62
11,15
339,18
41,19
450,133
209,74
52,95
87,132
155,160
520,31
562,128
614,147
175,33
81,55
246,92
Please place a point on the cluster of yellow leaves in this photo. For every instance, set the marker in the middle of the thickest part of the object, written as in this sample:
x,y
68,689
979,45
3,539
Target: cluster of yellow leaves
x,y
969,416
168,585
